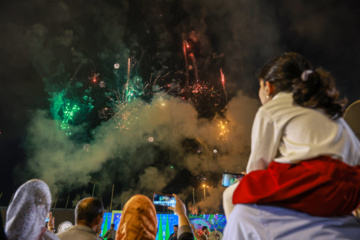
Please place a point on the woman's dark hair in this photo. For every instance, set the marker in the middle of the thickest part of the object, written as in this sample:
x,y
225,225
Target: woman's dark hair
x,y
291,72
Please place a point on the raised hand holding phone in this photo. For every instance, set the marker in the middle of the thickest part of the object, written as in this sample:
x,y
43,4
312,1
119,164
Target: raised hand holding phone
x,y
185,231
164,200
179,208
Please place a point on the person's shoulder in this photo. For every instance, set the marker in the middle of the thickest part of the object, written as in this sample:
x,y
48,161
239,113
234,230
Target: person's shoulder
x,y
65,235
77,232
280,100
76,235
282,109
49,236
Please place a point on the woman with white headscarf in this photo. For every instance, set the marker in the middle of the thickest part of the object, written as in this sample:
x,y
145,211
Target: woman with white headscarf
x,y
25,217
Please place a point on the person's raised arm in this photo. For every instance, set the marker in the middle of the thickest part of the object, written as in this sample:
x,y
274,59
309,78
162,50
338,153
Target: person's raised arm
x,y
51,223
184,232
106,234
196,235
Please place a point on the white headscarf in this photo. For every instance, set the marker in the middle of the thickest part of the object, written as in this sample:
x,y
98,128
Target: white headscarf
x,y
25,217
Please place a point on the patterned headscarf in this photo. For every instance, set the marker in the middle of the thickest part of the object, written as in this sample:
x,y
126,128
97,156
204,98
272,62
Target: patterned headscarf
x,y
25,217
138,220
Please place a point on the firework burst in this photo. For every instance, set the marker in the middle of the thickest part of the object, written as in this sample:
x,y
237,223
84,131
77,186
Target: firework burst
x,y
223,129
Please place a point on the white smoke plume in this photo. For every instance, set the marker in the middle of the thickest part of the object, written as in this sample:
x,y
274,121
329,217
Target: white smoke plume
x,y
64,164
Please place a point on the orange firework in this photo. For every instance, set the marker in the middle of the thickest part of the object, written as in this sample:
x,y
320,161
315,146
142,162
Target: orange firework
x,y
186,45
223,82
223,129
195,67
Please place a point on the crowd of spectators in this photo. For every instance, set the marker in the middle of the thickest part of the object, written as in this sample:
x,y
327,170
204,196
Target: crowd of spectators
x,y
25,218
302,181
31,205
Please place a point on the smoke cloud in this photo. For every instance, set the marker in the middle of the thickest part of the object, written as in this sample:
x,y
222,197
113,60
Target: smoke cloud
x,y
128,159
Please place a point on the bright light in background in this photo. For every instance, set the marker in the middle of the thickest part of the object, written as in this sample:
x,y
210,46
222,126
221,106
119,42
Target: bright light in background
x,y
117,65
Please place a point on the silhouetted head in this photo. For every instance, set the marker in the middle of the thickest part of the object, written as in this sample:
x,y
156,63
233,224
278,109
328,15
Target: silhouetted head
x,y
89,212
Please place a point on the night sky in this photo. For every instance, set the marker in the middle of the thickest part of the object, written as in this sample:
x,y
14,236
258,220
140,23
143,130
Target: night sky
x,y
159,132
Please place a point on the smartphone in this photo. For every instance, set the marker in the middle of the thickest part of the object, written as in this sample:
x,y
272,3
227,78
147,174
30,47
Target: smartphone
x,y
164,200
231,178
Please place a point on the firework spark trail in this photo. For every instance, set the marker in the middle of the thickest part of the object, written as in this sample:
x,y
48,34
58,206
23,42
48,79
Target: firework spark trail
x,y
80,65
195,67
77,70
223,82
128,79
94,77
152,84
124,112
185,46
